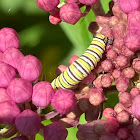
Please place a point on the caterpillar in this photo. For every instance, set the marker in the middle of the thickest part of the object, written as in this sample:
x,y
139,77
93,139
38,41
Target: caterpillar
x,y
77,71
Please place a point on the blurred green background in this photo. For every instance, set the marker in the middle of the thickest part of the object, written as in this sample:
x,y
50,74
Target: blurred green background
x,y
52,44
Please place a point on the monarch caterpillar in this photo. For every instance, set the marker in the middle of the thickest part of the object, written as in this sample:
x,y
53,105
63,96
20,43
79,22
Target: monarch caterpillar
x,y
77,71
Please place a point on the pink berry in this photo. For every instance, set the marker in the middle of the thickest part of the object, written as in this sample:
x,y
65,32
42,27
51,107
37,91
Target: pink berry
x,y
96,96
70,13
88,2
135,107
19,90
109,113
73,58
8,39
122,84
7,73
54,18
28,122
47,5
116,73
9,112
55,131
42,94
30,68
12,56
128,72
132,40
127,6
107,65
107,80
64,101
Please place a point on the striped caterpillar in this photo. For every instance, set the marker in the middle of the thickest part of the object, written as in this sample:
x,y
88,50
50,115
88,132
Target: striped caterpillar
x,y
77,71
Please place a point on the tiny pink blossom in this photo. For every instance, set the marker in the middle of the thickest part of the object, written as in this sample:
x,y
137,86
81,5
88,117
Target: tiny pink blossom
x,y
128,72
107,65
96,96
122,84
103,21
134,92
8,113
132,40
116,73
127,52
111,54
28,122
47,5
70,13
118,44
73,58
3,95
12,56
7,73
88,2
109,113
64,101
8,39
30,68
136,65
19,90
97,82
42,94
127,6
54,18
55,131
119,107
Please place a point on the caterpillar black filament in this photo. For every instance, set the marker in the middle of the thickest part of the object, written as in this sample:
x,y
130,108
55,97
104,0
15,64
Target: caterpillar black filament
x,y
77,71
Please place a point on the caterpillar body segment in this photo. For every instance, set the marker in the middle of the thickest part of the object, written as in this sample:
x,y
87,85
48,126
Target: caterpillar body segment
x,y
77,71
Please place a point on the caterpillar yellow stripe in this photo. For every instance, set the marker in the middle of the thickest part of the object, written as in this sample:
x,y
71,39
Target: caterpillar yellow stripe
x,y
77,71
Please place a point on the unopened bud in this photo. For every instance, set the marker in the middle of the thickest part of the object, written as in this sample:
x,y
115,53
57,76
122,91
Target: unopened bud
x,y
128,72
123,133
109,113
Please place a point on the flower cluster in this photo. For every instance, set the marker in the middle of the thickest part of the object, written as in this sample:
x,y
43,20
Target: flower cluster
x,y
68,11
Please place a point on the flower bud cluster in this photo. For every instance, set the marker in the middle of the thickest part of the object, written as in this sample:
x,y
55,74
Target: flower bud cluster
x,y
68,11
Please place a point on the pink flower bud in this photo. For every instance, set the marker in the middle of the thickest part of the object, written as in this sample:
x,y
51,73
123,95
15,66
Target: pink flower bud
x,y
7,73
64,101
132,40
107,32
30,68
102,21
28,122
135,107
98,68
136,65
20,138
55,131
122,84
119,30
54,18
118,44
19,90
3,95
127,6
119,107
107,80
109,136
8,113
122,61
124,117
111,126
60,69
127,52
134,20
71,1
111,54
1,55
47,5
8,39
42,94
89,78
116,73
73,58
123,133
113,21
109,113
97,82
107,65
125,99
96,96
136,132
134,92
88,2
128,72
70,13
12,56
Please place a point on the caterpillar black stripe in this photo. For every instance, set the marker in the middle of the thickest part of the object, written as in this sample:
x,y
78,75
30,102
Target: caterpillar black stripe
x,y
77,71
